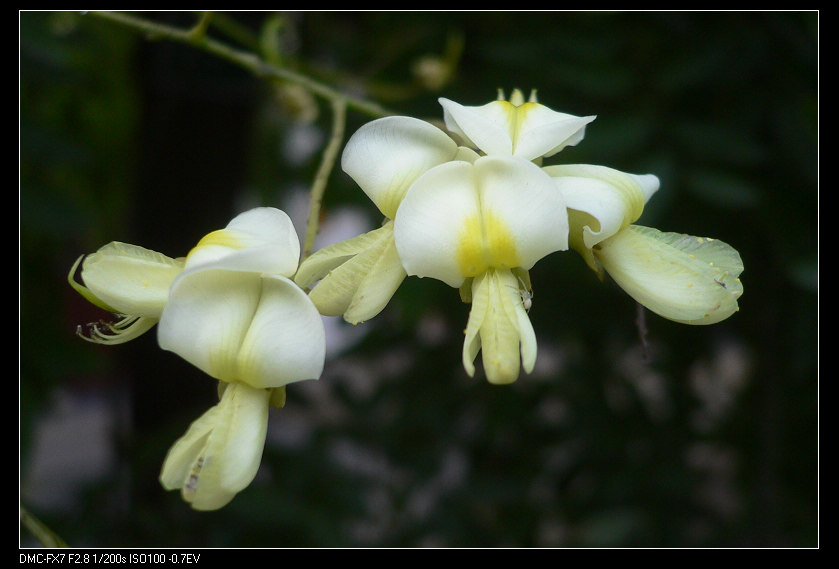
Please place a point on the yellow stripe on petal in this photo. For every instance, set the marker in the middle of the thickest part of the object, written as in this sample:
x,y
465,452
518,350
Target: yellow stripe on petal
x,y
220,237
485,241
261,240
213,246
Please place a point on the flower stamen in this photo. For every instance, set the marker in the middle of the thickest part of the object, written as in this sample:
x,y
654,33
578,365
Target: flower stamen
x,y
111,333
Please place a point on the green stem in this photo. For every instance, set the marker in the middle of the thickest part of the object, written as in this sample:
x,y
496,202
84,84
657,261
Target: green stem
x,y
246,60
330,154
42,533
199,31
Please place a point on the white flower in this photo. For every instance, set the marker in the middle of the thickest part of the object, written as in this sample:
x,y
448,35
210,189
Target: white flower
x,y
526,129
486,221
692,280
236,314
232,310
359,276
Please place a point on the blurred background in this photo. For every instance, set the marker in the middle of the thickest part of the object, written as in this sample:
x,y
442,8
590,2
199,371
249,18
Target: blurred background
x,y
682,437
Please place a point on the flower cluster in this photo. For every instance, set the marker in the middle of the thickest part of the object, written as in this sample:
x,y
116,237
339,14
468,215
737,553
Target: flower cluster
x,y
230,309
473,206
476,209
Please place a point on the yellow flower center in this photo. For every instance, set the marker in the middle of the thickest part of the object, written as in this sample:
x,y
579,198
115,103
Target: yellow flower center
x,y
485,242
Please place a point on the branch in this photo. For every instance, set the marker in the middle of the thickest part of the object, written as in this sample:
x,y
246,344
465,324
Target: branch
x,y
330,154
42,533
249,61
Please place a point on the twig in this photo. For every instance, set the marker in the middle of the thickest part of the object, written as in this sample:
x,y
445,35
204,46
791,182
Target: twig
x,y
249,61
42,533
330,154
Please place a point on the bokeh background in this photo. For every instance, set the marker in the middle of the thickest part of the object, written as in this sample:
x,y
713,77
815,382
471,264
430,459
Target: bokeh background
x,y
679,437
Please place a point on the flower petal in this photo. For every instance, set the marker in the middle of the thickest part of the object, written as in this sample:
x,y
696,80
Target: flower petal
x,y
523,199
240,326
529,130
262,240
498,326
544,132
479,294
613,198
130,279
460,219
220,453
687,279
486,127
386,155
319,264
378,286
601,201
366,275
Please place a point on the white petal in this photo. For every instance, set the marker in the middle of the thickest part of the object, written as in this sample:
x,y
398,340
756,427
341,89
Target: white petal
x,y
528,131
430,220
519,195
130,279
386,155
262,239
486,127
544,132
220,453
460,219
613,198
238,326
687,279
286,341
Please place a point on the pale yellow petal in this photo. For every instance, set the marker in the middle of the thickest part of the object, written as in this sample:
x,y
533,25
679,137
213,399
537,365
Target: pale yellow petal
x,y
499,328
378,287
500,338
362,282
321,262
693,280
220,453
130,279
480,306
